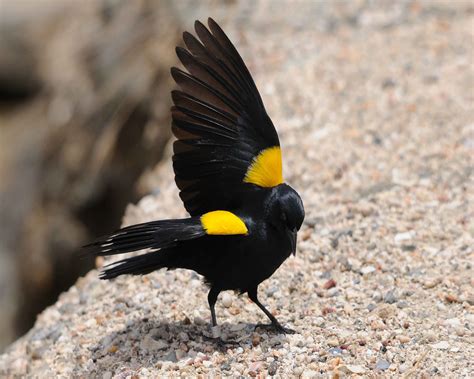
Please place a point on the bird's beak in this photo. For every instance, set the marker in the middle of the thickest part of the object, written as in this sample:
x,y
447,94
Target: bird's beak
x,y
293,235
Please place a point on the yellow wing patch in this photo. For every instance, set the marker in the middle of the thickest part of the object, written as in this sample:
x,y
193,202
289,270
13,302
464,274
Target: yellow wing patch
x,y
266,168
222,223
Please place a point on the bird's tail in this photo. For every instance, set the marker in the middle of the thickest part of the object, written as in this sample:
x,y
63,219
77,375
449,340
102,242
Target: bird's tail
x,y
156,235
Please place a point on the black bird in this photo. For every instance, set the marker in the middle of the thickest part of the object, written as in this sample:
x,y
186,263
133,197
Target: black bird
x,y
227,163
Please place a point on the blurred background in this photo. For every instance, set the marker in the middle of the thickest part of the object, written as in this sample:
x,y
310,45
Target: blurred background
x,y
84,117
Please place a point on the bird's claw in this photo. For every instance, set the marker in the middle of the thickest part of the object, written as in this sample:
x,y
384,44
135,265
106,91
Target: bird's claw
x,y
277,328
220,343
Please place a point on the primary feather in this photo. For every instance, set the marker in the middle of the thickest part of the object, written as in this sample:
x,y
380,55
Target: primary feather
x,y
219,120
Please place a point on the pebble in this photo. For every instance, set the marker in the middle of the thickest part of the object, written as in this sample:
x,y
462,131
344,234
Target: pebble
x,y
470,318
333,342
385,312
272,368
402,237
382,364
150,344
329,284
403,338
216,331
390,297
256,339
319,321
255,368
452,322
403,368
353,369
402,305
371,307
430,336
171,357
366,270
442,345
309,374
226,300
335,351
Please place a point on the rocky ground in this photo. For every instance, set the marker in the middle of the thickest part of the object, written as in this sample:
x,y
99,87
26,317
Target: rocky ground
x,y
374,106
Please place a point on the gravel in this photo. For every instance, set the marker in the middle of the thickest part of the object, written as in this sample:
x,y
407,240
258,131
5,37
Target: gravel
x,y
374,107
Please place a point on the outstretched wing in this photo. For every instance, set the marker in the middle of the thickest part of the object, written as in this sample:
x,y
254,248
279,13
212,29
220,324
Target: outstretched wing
x,y
226,141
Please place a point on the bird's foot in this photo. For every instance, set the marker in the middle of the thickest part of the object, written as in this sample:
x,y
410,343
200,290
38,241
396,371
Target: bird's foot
x,y
275,327
221,344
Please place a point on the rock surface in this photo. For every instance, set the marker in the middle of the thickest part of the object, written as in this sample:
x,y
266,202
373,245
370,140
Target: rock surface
x,y
374,106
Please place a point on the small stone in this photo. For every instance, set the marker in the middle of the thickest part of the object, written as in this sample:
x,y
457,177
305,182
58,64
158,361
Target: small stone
x,y
326,310
216,331
451,298
403,368
254,368
371,307
390,297
333,342
377,325
452,322
180,354
403,338
470,318
442,345
335,351
319,321
431,283
309,374
226,300
107,375
402,304
256,339
199,321
382,364
207,363
402,237
353,369
150,344
385,312
430,336
272,368
377,296
171,357
366,270
329,284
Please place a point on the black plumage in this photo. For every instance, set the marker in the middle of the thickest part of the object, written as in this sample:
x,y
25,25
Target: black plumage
x,y
227,163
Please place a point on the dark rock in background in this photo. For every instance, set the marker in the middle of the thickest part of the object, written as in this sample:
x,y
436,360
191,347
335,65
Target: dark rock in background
x,y
84,99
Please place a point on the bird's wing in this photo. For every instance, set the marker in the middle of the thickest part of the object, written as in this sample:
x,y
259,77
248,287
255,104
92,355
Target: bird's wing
x,y
226,142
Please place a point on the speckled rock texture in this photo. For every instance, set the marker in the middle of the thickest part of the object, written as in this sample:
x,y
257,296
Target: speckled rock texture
x,y
374,106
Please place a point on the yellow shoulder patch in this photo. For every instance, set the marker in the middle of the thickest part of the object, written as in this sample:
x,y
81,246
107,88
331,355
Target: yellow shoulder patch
x,y
222,223
266,168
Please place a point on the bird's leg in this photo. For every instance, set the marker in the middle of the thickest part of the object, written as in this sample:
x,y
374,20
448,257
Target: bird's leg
x,y
212,298
275,325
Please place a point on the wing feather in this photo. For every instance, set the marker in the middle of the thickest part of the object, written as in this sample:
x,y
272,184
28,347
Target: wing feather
x,y
219,120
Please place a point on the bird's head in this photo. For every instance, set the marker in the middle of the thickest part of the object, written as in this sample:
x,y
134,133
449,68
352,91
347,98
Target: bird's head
x,y
286,212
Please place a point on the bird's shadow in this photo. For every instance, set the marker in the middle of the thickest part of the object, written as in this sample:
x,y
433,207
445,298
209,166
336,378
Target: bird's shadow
x,y
144,342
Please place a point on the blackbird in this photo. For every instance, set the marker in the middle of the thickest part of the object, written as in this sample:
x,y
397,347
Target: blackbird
x,y
244,218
